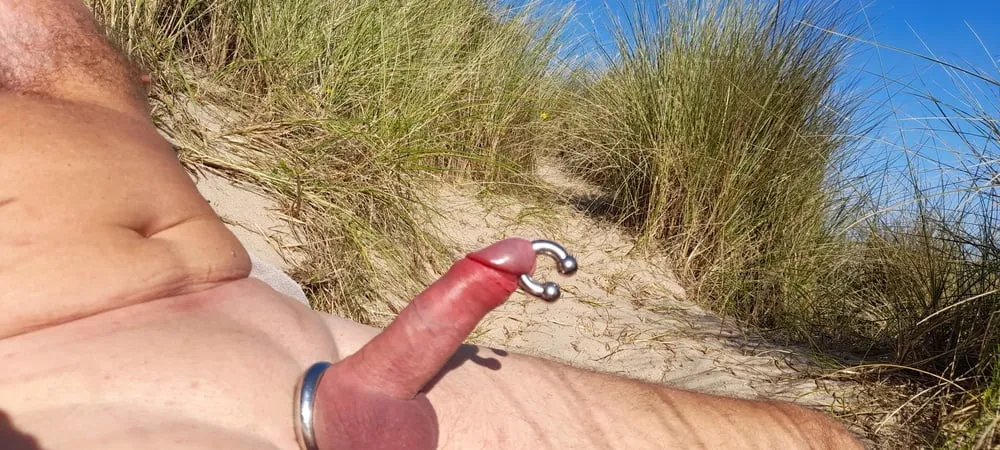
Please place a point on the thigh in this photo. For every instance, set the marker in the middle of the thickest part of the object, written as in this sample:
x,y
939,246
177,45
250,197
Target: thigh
x,y
96,213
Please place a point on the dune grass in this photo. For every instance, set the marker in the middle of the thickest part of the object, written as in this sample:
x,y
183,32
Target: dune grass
x,y
948,324
461,81
341,106
714,132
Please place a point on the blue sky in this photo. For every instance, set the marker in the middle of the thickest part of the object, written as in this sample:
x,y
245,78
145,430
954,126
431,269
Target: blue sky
x,y
941,28
944,29
961,32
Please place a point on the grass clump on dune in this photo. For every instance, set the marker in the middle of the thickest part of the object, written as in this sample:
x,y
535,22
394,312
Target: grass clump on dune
x,y
942,248
340,106
713,129
443,83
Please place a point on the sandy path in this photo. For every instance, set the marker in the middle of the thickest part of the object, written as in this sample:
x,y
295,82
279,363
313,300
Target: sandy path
x,y
622,313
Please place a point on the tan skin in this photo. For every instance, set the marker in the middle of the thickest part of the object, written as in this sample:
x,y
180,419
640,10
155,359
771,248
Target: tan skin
x,y
129,321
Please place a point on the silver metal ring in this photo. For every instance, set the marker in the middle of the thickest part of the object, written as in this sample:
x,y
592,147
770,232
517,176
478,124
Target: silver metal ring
x,y
305,405
565,263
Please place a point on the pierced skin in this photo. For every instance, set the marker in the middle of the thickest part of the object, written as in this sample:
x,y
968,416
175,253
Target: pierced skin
x,y
514,256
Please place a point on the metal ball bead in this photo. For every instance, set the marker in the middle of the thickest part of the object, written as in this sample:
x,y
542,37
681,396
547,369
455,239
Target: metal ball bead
x,y
551,292
568,266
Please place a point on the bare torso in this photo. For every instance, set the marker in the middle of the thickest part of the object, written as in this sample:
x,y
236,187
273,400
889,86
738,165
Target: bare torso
x,y
184,372
128,322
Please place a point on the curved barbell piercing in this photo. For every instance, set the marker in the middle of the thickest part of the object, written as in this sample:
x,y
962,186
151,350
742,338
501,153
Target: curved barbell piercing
x,y
565,263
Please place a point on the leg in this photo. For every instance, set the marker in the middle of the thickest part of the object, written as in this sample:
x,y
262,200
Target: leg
x,y
95,211
487,398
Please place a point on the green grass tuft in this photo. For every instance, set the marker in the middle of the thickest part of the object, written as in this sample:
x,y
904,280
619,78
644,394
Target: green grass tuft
x,y
713,130
341,106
